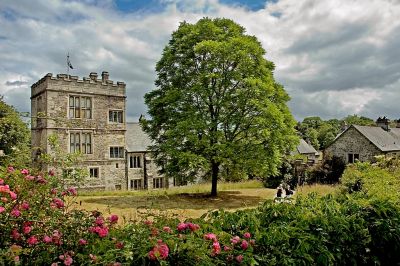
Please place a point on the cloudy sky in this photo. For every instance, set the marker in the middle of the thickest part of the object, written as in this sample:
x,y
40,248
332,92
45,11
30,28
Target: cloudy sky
x,y
334,57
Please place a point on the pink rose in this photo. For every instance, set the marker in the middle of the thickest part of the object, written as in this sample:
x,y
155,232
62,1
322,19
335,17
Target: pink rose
x,y
32,240
247,235
2,209
101,231
163,250
235,240
46,239
226,248
216,248
58,203
56,237
25,206
13,195
26,229
72,191
68,260
99,221
4,189
239,258
15,212
25,171
29,177
1,181
113,218
82,242
244,245
147,222
182,227
152,255
15,234
193,227
210,236
10,169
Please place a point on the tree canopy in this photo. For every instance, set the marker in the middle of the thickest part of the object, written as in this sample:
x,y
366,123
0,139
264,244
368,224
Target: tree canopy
x,y
14,136
217,108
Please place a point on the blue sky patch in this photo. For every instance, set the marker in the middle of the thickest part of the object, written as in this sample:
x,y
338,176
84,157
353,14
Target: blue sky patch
x,y
128,6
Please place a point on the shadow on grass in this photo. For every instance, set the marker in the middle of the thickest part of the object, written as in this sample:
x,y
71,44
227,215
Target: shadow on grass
x,y
225,200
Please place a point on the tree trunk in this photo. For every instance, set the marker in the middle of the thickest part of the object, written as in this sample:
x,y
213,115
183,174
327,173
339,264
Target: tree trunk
x,y
214,178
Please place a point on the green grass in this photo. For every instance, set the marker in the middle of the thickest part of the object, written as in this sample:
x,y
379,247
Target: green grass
x,y
317,188
185,202
195,188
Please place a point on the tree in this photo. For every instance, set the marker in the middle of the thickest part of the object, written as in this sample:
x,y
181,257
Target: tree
x,y
217,106
359,120
14,136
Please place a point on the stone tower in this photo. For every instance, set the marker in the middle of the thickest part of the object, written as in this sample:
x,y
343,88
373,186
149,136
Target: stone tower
x,y
87,116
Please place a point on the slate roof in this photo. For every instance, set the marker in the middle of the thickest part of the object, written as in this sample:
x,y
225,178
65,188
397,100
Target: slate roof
x,y
136,139
305,148
382,139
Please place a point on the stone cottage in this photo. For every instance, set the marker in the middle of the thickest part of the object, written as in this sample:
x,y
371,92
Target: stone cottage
x,y
364,142
86,115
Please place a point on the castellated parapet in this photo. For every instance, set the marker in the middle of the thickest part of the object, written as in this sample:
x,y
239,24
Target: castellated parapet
x,y
102,86
88,116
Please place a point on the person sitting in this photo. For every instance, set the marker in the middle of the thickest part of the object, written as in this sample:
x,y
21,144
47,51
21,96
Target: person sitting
x,y
279,192
288,192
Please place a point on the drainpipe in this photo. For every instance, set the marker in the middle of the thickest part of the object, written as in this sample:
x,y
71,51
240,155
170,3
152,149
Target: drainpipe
x,y
145,185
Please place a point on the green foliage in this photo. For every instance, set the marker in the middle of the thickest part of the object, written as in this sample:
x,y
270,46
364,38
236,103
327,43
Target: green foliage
x,y
14,137
359,120
69,165
217,105
327,171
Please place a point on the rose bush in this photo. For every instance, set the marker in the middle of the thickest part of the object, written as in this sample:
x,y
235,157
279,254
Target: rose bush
x,y
359,225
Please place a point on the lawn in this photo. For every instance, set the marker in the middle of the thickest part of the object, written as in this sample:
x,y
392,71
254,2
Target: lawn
x,y
184,202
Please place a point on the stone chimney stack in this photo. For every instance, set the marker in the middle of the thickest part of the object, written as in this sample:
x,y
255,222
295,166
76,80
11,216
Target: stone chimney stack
x,y
104,76
383,123
93,76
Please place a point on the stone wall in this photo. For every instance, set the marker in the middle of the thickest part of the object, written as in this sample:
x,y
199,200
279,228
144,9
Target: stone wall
x,y
352,141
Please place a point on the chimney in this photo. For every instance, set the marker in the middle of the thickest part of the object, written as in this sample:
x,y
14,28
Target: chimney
x,y
104,76
93,76
383,123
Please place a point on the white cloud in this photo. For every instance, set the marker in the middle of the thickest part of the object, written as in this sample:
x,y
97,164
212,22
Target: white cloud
x,y
334,57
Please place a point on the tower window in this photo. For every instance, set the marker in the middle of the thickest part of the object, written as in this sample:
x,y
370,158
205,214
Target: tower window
x,y
80,142
116,152
80,107
115,116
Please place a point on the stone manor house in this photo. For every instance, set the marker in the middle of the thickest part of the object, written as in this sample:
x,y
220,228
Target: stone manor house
x,y
89,116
